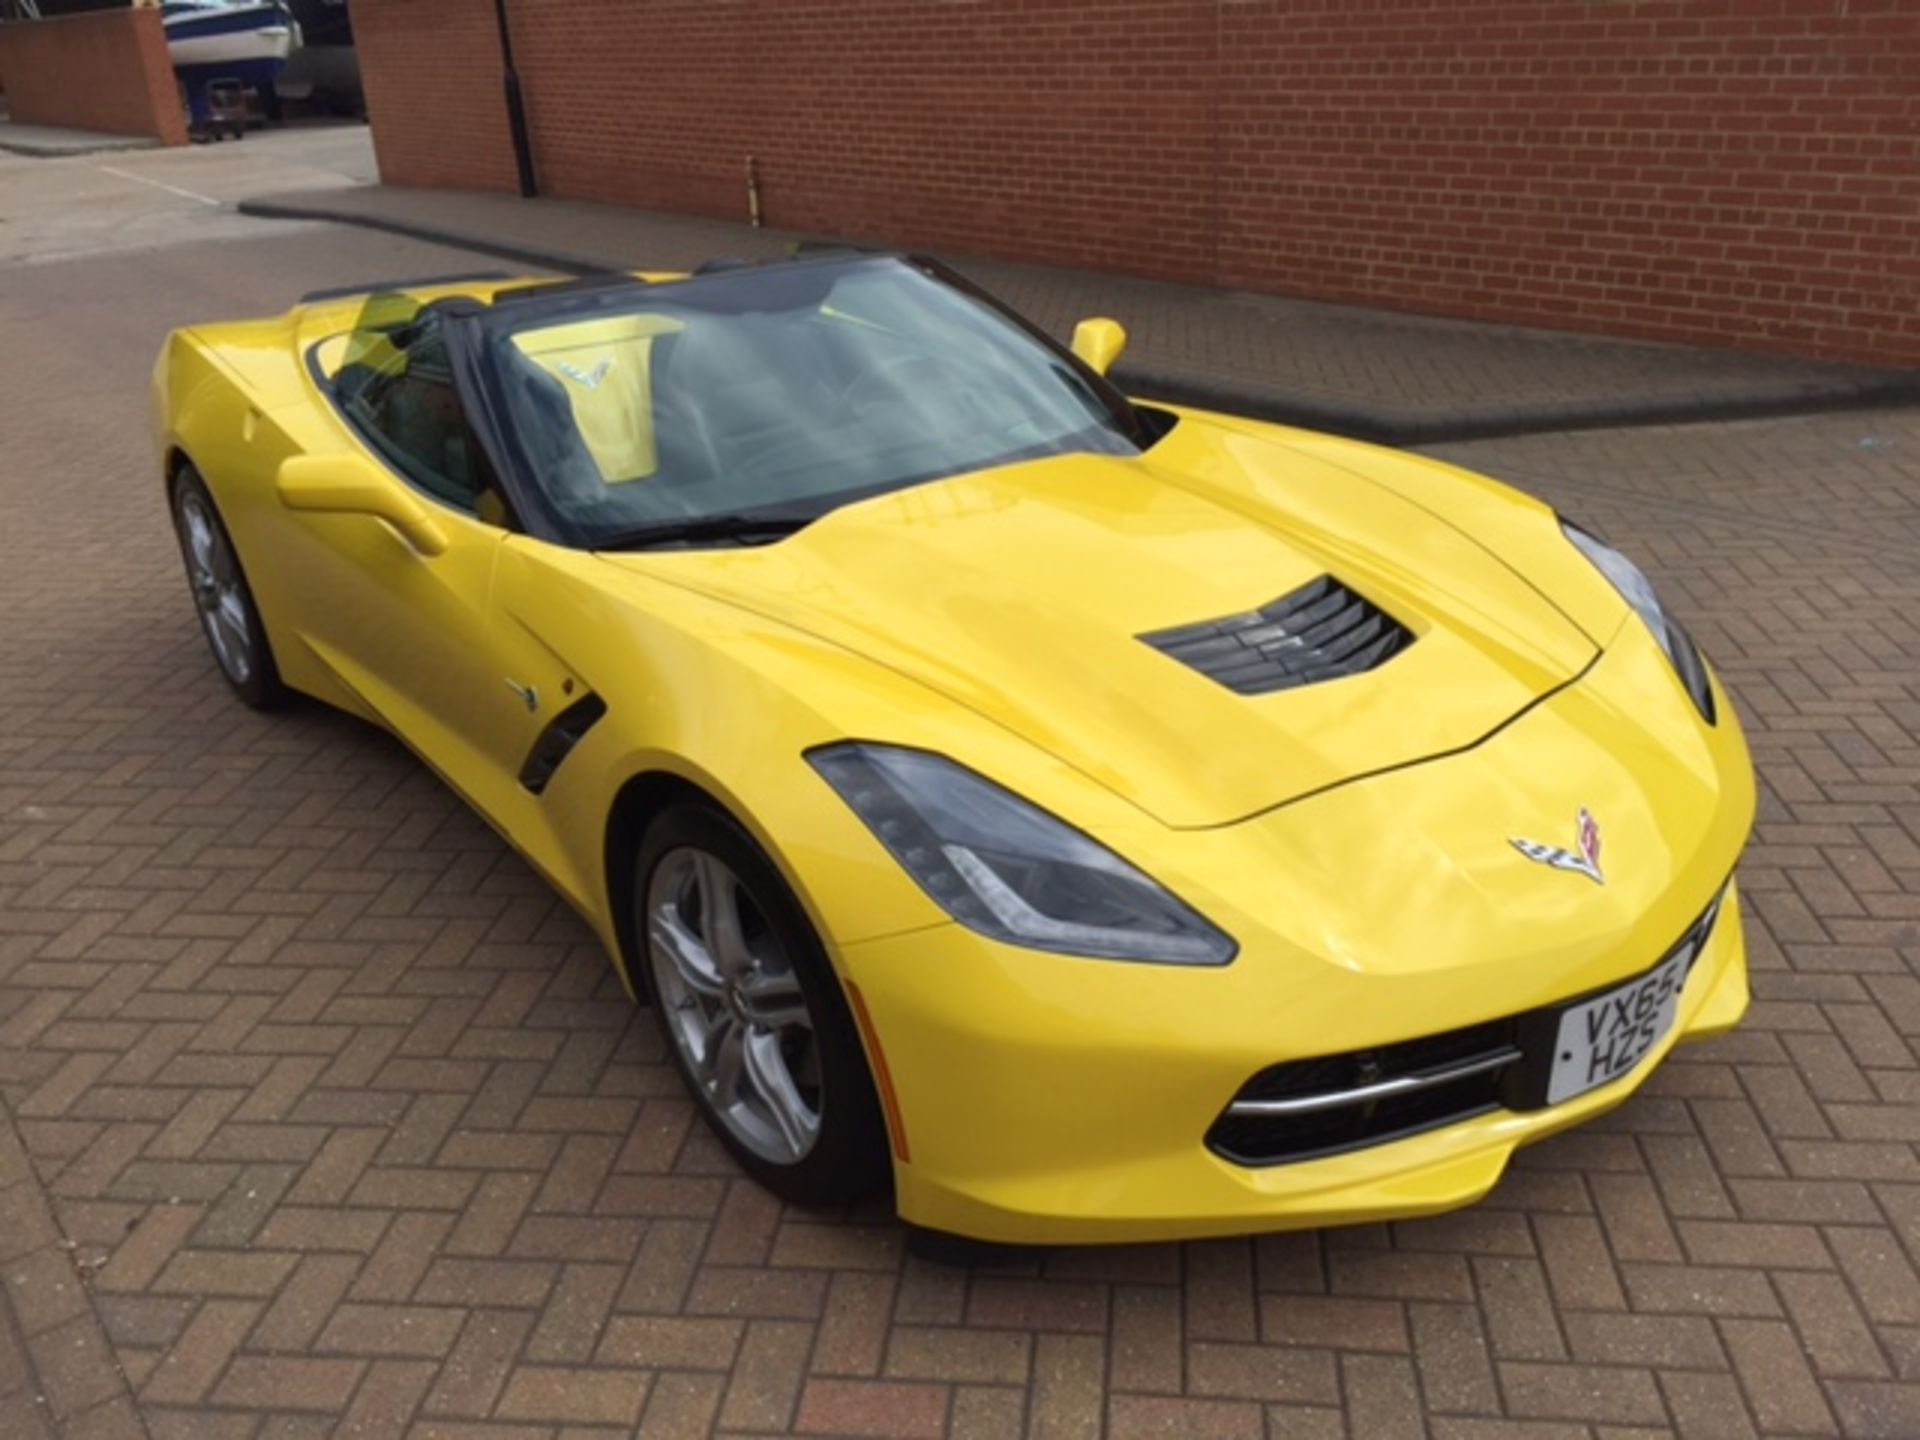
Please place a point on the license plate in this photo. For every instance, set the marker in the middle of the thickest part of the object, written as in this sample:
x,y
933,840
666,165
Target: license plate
x,y
1603,1038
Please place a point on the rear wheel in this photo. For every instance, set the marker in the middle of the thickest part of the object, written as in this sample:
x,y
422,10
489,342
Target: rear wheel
x,y
228,616
752,1012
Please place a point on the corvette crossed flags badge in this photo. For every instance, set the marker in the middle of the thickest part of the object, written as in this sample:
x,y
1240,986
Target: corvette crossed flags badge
x,y
1583,859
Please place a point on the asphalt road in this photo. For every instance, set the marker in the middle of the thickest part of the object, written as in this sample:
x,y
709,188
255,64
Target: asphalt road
x,y
321,1116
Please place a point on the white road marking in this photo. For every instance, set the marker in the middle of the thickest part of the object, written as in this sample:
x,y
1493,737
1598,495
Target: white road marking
x,y
161,185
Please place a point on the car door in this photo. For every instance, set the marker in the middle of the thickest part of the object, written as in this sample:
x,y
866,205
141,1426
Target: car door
x,y
403,628
537,702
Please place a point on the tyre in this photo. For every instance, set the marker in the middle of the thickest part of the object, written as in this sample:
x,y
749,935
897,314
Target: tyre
x,y
752,1012
228,617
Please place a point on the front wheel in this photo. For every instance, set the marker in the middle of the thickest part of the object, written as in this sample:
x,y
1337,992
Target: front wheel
x,y
752,1012
228,616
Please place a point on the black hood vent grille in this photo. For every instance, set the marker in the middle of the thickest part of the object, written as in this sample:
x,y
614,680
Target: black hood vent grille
x,y
1319,632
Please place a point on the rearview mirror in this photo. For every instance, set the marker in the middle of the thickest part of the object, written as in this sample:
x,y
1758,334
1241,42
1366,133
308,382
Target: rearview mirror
x,y
354,485
1099,342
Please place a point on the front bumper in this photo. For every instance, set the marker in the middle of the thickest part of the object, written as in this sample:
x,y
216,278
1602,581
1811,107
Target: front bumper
x,y
1051,1099
1066,1140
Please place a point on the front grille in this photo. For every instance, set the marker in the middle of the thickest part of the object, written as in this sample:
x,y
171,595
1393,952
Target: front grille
x,y
1319,632
1338,1102
1306,1109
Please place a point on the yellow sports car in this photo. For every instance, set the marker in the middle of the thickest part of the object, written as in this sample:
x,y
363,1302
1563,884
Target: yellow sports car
x,y
1106,820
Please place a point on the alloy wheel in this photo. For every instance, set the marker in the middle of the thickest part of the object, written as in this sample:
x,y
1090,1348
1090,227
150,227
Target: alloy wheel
x,y
734,1006
218,591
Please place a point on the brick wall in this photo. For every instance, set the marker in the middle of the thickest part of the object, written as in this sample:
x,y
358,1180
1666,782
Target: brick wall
x,y
431,72
105,71
1743,172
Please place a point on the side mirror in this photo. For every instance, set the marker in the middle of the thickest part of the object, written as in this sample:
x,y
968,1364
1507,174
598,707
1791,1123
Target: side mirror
x,y
1099,342
354,485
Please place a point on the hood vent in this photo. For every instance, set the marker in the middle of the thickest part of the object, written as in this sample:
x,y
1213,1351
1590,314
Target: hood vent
x,y
1319,632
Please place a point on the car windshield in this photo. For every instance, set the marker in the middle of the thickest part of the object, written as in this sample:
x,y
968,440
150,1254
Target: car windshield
x,y
737,404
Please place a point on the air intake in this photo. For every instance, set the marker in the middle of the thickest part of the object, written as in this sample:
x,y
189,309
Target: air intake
x,y
1319,632
1305,1109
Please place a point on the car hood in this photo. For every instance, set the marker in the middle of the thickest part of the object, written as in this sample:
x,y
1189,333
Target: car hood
x,y
1022,593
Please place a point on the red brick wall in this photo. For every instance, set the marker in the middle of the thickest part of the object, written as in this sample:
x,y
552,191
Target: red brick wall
x,y
431,73
106,70
1742,172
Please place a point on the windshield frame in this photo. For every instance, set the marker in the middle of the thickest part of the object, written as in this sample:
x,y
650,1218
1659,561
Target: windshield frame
x,y
485,325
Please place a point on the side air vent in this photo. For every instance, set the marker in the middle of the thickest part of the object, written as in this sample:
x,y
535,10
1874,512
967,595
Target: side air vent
x,y
556,742
1319,632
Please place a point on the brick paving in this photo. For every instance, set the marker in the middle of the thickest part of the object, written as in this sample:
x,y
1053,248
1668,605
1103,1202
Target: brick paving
x,y
319,1115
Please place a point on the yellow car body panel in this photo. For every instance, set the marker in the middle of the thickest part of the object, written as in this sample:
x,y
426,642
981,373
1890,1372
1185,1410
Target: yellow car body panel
x,y
1018,593
1354,842
1089,1119
1101,1147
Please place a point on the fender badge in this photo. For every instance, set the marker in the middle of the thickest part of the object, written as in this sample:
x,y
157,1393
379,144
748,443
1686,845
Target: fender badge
x,y
530,697
1584,859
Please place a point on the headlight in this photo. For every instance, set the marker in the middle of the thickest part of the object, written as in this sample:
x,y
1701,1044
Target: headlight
x,y
1008,870
1637,591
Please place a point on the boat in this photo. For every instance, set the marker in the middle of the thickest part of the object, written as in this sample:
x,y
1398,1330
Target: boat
x,y
324,70
247,41
323,23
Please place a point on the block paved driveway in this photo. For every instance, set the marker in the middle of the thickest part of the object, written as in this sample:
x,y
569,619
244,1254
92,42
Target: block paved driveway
x,y
321,1115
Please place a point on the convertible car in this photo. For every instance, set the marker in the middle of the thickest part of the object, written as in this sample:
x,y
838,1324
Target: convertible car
x,y
1101,819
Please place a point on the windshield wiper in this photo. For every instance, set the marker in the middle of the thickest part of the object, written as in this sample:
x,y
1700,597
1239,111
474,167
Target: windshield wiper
x,y
747,528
